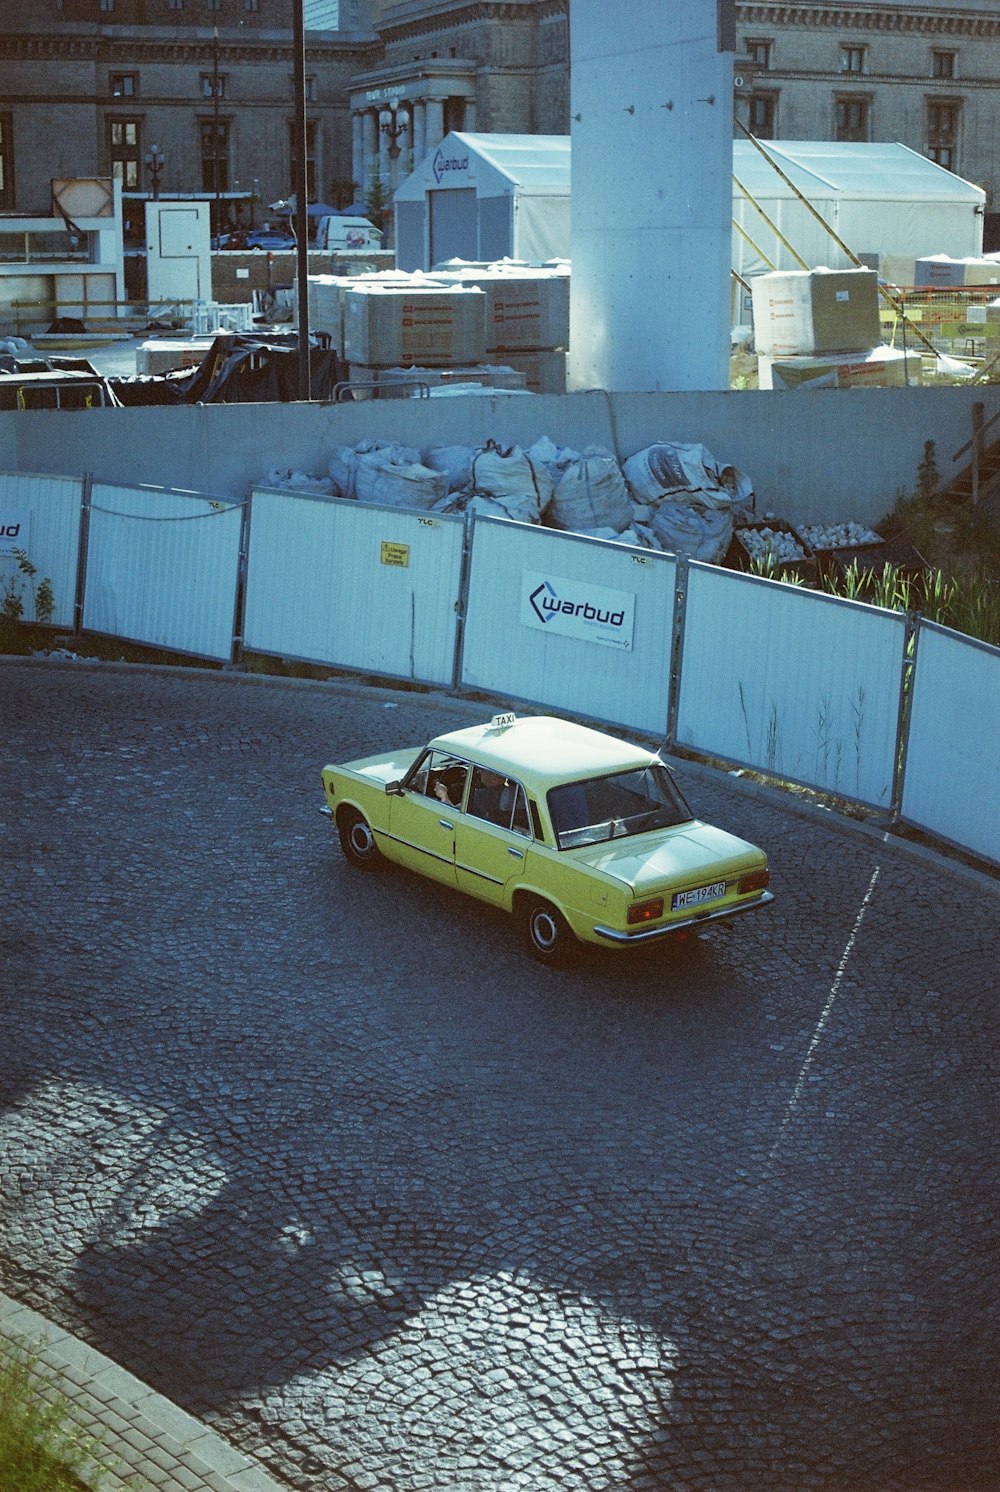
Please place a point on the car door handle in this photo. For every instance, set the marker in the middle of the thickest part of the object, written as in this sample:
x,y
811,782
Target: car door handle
x,y
518,854
447,823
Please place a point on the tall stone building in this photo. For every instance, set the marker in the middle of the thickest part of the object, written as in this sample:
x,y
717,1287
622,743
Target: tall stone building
x,y
90,86
925,74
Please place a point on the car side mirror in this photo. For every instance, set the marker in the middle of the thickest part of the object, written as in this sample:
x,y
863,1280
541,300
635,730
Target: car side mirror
x,y
394,790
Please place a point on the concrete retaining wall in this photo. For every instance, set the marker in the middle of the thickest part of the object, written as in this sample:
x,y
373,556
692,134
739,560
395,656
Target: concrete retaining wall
x,y
827,455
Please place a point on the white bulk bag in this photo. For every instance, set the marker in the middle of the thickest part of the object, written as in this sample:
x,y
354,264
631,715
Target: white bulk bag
x,y
670,467
389,477
591,493
509,477
692,528
455,462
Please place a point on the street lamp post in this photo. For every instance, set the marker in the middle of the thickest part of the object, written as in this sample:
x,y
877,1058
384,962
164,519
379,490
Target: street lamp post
x,y
155,162
394,121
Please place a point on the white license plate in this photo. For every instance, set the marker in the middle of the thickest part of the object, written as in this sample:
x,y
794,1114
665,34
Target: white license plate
x,y
683,899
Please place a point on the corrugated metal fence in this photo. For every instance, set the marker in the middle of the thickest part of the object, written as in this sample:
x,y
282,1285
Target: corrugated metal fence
x,y
895,714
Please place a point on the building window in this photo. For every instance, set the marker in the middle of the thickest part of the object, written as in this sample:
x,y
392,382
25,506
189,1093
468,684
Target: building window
x,y
251,5
942,64
215,4
310,159
124,139
762,111
6,160
123,85
759,53
214,155
310,86
852,59
175,4
851,119
107,4
213,85
942,132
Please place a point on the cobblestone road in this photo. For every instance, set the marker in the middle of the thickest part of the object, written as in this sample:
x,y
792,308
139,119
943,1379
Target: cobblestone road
x,y
327,1160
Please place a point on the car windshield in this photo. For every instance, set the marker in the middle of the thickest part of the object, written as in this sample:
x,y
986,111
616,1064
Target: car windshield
x,y
614,807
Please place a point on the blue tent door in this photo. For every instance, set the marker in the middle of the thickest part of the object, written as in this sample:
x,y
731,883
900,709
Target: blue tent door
x,y
453,232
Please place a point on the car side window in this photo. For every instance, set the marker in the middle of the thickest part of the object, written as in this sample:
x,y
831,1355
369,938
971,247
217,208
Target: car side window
x,y
440,776
499,800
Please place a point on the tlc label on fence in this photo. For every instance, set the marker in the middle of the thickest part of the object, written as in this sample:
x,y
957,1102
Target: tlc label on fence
x,y
395,554
575,608
15,530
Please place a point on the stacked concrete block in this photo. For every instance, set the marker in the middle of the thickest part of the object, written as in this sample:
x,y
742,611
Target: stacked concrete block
x,y
527,318
822,329
405,326
810,313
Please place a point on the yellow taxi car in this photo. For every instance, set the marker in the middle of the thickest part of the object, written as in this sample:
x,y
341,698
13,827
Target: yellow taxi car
x,y
582,837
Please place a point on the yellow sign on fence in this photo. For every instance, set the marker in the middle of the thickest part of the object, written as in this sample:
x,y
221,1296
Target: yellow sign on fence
x,y
395,554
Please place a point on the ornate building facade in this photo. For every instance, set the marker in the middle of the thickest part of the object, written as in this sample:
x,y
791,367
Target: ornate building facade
x,y
89,87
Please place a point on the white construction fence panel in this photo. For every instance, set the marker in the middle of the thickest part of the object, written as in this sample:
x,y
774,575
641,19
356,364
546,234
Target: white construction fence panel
x,y
799,685
162,568
578,625
40,518
355,585
951,785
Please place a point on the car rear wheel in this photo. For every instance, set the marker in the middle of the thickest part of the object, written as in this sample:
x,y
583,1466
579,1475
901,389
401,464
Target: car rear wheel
x,y
547,934
357,840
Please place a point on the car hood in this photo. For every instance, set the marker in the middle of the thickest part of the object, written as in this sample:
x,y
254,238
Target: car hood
x,y
384,768
683,856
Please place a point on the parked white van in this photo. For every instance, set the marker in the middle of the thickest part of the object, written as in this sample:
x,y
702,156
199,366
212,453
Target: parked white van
x,y
338,232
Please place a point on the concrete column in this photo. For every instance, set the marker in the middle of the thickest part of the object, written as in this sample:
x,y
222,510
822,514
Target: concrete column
x,y
370,138
419,131
651,213
358,151
470,116
435,123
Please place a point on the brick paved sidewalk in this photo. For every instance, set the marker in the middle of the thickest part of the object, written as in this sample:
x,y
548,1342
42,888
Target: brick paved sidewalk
x,y
153,1443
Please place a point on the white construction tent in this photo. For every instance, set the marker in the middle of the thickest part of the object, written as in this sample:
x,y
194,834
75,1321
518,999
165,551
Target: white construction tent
x,y
879,199
485,197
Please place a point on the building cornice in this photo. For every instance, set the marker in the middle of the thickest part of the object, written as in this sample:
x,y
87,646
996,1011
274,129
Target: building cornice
x,y
420,22
132,48
914,20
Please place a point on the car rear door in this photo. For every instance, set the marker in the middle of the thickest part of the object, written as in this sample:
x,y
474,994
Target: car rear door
x,y
488,854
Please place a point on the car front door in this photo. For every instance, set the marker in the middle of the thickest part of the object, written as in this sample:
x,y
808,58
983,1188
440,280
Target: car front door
x,y
422,819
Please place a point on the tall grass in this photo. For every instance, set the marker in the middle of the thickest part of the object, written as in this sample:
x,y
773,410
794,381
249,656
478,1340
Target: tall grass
x,y
42,1449
968,603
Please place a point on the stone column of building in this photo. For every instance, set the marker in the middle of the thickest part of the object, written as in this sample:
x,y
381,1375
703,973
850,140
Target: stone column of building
x,y
469,122
369,140
419,130
358,151
435,123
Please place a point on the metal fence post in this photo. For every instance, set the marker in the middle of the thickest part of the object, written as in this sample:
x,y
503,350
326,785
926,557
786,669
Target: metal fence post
x,y
83,547
462,602
676,648
907,672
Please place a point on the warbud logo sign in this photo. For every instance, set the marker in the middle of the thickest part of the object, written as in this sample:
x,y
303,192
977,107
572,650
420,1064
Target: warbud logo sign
x,y
575,608
442,164
14,535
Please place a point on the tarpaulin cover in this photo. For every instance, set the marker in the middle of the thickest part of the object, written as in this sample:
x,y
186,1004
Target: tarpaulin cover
x,y
238,370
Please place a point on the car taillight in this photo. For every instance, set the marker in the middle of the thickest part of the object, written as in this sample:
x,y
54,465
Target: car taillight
x,y
756,880
645,911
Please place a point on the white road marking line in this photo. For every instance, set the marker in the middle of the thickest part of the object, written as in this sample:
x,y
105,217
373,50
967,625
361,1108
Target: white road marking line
x,y
824,1017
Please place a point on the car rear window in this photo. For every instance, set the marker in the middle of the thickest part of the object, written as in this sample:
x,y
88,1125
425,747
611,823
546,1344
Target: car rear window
x,y
616,806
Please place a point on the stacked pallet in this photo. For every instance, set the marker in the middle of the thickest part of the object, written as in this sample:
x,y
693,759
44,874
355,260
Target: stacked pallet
x,y
527,317
820,329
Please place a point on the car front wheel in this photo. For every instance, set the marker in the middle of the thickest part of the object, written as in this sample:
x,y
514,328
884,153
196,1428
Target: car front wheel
x,y
357,840
547,934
